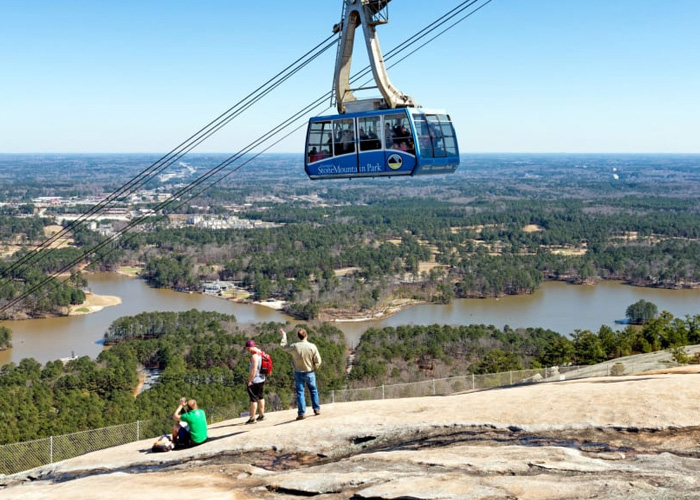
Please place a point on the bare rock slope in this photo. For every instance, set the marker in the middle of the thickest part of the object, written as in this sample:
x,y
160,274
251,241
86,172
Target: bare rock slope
x,y
634,437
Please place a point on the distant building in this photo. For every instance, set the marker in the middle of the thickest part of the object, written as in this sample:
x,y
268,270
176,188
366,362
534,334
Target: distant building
x,y
215,287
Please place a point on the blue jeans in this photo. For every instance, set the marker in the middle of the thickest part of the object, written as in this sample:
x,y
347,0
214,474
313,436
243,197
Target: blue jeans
x,y
309,378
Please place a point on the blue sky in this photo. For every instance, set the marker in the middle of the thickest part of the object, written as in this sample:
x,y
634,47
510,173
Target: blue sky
x,y
518,76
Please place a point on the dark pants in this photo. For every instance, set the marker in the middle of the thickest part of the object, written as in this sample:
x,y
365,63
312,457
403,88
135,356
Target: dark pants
x,y
184,438
256,392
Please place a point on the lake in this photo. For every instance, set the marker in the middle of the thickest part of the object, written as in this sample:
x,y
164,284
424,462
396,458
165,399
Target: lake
x,y
558,306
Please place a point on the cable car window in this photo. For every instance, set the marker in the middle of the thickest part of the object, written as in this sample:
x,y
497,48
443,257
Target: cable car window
x,y
448,133
423,136
318,146
344,136
436,137
398,134
369,129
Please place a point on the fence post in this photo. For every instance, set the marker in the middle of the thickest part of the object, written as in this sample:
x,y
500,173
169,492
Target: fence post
x,y
333,396
434,391
382,391
51,449
510,374
138,430
473,386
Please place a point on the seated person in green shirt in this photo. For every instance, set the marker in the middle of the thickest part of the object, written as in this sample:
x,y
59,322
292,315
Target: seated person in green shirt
x,y
191,424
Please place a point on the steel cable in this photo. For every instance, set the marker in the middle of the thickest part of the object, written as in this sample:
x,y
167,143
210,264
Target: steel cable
x,y
261,140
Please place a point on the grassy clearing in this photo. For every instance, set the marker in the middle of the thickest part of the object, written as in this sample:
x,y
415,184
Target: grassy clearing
x,y
130,270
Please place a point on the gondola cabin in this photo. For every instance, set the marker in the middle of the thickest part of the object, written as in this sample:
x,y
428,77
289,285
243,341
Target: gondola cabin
x,y
381,143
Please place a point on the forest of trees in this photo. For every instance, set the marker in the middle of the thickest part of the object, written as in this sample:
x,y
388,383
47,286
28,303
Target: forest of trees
x,y
401,354
16,281
43,295
485,254
476,224
201,355
20,229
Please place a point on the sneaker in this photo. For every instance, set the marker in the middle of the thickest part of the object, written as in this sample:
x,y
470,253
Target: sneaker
x,y
261,417
300,417
251,420
317,412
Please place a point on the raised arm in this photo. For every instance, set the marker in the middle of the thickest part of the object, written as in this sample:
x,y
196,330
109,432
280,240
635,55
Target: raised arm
x,y
283,340
176,415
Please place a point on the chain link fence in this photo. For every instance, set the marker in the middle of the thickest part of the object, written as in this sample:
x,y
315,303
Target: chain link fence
x,y
18,457
216,415
453,385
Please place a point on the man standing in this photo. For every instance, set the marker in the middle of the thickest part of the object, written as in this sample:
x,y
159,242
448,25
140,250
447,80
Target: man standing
x,y
256,383
306,361
191,424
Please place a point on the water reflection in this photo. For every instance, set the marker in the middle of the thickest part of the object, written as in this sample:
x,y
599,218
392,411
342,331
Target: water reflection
x,y
556,306
54,338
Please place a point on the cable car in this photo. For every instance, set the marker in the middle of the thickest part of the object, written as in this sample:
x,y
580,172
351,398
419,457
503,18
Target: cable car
x,y
388,142
377,137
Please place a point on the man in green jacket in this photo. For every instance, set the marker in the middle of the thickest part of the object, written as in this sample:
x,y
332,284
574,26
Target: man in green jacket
x,y
191,424
306,360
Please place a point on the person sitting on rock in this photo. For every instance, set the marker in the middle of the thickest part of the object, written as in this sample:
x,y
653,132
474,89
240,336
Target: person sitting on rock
x,y
190,428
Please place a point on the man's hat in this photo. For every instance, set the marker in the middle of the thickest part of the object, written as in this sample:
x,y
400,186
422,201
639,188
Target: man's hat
x,y
250,343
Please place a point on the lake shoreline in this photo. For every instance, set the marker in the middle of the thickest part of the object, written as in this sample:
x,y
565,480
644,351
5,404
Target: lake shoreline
x,y
399,305
95,303
391,309
557,306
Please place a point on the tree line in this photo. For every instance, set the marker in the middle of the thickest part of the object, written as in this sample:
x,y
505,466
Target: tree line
x,y
201,355
413,353
486,254
482,245
43,295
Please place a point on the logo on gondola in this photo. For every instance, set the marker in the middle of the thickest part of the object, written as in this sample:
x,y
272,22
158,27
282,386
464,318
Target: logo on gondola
x,y
394,161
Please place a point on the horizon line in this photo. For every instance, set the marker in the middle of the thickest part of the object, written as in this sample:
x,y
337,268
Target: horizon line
x,y
301,153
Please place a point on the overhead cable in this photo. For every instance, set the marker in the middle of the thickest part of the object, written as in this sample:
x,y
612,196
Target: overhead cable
x,y
263,139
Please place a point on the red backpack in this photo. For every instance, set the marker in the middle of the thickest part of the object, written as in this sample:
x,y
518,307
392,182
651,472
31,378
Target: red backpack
x,y
265,363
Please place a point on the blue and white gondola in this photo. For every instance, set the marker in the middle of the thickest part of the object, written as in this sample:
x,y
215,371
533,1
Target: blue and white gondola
x,y
381,143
